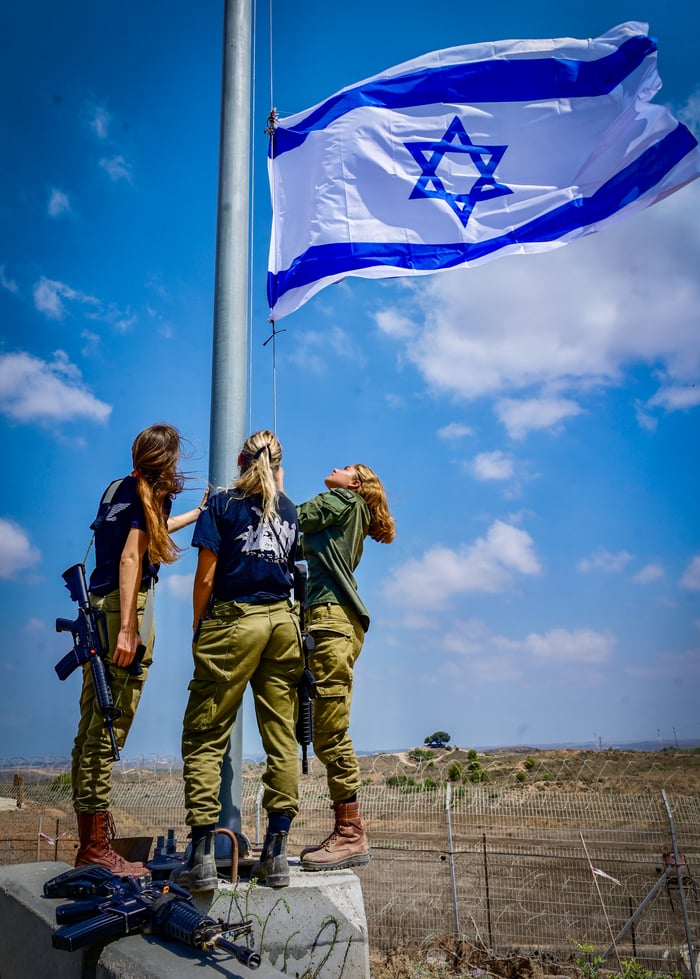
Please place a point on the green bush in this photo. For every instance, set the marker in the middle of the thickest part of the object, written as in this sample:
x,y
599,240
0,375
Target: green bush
x,y
60,781
455,773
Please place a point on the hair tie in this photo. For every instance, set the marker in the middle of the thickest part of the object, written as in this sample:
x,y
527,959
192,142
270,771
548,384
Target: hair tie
x,y
261,450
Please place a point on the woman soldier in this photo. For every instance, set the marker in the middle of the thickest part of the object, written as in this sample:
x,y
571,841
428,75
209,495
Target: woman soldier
x,y
245,631
132,539
334,525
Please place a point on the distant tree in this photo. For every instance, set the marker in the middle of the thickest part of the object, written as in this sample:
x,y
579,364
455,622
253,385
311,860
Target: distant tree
x,y
437,740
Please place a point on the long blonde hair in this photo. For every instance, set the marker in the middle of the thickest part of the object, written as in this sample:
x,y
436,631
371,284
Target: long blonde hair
x,y
381,526
155,453
260,460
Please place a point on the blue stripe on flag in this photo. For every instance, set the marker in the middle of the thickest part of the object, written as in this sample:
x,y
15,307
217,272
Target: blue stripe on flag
x,y
637,179
499,80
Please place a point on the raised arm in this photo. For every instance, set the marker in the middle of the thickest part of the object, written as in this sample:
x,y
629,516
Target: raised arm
x,y
188,517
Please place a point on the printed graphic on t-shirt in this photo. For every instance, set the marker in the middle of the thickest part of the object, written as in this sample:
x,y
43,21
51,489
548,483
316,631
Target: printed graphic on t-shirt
x,y
115,509
271,541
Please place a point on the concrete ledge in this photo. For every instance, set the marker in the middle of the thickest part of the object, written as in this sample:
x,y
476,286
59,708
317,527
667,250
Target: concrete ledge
x,y
316,926
27,921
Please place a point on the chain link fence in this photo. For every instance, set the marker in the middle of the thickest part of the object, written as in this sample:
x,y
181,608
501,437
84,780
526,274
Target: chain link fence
x,y
534,867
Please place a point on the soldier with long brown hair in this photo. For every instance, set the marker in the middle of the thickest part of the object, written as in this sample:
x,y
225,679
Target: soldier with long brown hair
x,y
334,525
132,539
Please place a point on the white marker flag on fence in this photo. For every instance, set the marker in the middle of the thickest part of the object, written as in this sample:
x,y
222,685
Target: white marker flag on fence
x,y
470,153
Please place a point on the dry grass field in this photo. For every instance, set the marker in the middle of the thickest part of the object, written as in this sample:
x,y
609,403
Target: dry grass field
x,y
520,770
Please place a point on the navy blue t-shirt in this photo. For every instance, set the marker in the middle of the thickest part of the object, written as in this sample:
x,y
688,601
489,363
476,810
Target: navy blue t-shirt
x,y
112,524
255,559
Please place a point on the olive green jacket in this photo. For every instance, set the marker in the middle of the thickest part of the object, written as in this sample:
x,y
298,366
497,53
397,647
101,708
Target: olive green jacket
x,y
334,525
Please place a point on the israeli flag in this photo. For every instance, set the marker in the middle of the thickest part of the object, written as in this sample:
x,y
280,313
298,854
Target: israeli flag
x,y
466,154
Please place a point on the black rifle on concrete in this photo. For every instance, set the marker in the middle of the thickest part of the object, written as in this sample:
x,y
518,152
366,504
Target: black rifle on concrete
x,y
89,631
306,688
106,906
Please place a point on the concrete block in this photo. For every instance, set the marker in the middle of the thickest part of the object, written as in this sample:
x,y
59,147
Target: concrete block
x,y
316,926
27,921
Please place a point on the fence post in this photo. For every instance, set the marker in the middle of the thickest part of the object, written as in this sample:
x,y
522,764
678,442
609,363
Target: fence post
x,y
18,783
258,806
450,850
681,890
488,892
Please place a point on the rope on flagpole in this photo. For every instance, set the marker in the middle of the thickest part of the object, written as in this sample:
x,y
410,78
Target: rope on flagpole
x,y
273,337
270,131
251,222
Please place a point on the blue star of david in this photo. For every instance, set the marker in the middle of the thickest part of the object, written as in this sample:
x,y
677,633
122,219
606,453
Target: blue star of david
x,y
428,155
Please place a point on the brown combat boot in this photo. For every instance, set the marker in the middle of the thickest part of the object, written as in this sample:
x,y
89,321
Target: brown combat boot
x,y
96,831
347,846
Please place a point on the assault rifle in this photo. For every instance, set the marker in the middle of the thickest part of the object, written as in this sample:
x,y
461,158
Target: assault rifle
x,y
108,906
306,688
89,631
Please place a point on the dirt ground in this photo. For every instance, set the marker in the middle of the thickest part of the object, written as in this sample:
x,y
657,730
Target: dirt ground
x,y
528,769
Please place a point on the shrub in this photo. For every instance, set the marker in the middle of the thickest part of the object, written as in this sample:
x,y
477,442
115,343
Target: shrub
x,y
455,773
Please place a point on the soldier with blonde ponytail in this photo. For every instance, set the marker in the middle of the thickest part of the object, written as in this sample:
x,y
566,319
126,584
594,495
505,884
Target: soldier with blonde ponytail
x,y
334,525
132,539
245,631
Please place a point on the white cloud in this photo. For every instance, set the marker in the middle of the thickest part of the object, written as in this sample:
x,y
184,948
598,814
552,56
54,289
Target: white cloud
x,y
58,203
6,282
574,318
394,324
100,120
530,414
676,398
16,551
49,295
454,431
312,348
179,586
604,561
649,573
691,575
690,112
117,168
579,646
492,465
35,390
52,298
487,565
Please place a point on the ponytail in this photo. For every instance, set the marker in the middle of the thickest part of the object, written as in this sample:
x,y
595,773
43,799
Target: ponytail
x,y
260,460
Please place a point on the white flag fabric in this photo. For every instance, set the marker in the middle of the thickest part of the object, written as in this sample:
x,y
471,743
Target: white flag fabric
x,y
466,154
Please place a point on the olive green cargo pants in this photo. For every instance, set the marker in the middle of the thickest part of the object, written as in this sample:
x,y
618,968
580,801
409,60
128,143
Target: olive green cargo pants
x,y
338,637
241,643
91,759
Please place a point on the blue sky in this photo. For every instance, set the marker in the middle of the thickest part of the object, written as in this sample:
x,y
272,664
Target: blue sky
x,y
534,420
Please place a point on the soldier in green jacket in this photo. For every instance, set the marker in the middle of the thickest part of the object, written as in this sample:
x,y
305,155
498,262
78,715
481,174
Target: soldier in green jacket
x,y
334,525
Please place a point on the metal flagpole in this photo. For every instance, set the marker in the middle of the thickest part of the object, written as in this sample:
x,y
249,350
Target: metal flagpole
x,y
230,346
